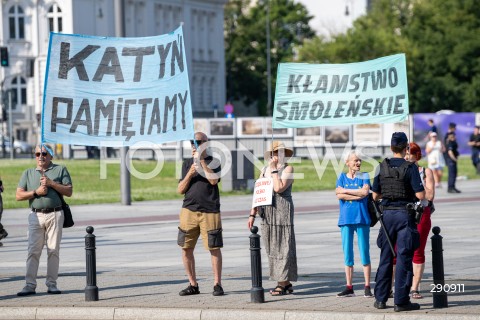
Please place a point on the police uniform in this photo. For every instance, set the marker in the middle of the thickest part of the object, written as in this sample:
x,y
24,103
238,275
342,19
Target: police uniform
x,y
397,182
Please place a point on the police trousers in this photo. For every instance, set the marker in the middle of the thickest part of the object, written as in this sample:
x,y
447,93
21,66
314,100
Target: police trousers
x,y
403,233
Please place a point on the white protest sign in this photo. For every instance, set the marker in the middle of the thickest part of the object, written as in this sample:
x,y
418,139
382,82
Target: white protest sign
x,y
263,192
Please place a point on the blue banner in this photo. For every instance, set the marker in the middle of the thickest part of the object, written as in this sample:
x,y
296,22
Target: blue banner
x,y
102,91
312,95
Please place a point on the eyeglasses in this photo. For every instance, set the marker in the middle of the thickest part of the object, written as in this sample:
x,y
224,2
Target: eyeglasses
x,y
196,142
44,154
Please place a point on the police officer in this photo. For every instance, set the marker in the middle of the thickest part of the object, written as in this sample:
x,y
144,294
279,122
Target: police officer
x,y
397,184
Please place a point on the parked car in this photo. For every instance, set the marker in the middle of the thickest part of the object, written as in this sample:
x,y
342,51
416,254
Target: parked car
x,y
19,145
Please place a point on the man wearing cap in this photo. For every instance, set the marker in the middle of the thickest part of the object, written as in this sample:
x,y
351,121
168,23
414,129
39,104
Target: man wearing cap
x,y
200,213
42,187
397,184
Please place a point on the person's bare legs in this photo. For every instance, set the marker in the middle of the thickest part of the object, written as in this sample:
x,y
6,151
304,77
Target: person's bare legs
x,y
189,264
367,271
349,275
418,270
440,173
216,256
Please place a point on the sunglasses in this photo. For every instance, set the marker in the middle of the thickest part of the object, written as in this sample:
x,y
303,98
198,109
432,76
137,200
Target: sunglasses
x,y
196,142
44,154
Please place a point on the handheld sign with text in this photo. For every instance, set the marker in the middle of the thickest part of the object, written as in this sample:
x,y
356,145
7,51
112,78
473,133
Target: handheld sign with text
x,y
312,95
263,192
102,91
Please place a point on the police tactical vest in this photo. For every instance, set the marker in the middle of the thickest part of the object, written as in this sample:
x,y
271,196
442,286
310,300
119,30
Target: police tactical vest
x,y
392,181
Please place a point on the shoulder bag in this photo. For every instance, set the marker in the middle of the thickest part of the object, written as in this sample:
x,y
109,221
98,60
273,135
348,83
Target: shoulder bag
x,y
67,213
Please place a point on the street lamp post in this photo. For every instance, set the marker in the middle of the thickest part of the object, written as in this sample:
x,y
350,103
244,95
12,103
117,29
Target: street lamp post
x,y
124,165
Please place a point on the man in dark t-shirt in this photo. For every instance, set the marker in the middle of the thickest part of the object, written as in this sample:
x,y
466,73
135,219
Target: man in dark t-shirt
x,y
200,214
451,159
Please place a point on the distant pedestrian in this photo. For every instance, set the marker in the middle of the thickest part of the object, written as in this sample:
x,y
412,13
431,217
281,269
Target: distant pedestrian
x,y
433,127
452,161
277,220
435,157
200,214
474,142
42,187
452,127
3,232
352,192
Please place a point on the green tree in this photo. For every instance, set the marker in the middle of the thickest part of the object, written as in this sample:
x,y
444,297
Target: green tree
x,y
439,38
447,67
246,43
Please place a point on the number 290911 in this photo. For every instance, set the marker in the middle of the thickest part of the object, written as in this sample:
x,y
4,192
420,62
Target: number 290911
x,y
459,287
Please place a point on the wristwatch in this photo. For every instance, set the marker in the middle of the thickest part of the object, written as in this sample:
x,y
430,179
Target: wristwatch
x,y
35,195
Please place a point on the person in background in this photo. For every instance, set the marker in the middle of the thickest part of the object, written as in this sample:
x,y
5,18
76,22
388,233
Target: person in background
x,y
474,142
43,186
425,224
352,192
433,127
200,213
436,162
277,220
452,127
452,160
3,232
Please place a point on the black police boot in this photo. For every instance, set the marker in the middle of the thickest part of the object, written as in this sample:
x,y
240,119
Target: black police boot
x,y
406,307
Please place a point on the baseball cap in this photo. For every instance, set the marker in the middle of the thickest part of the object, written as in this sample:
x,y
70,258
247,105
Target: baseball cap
x,y
399,139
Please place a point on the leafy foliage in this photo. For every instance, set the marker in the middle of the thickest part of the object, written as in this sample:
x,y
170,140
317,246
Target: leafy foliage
x,y
439,37
246,45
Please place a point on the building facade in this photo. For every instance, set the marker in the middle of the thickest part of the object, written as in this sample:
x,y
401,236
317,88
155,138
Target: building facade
x,y
25,26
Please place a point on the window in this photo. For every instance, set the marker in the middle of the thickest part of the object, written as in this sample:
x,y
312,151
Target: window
x,y
19,92
54,16
16,22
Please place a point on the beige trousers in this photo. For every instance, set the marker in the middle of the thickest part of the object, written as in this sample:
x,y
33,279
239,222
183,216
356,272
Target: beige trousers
x,y
44,228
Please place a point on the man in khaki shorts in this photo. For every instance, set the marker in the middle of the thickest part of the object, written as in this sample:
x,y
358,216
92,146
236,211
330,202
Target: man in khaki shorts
x,y
200,213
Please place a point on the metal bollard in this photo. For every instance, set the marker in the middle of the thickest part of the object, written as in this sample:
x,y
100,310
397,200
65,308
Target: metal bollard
x,y
91,290
257,293
439,296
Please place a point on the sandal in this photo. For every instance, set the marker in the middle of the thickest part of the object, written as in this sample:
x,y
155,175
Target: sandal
x,y
289,288
416,295
278,291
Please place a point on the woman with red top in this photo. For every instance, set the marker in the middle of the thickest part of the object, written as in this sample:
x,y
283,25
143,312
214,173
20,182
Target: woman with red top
x,y
414,155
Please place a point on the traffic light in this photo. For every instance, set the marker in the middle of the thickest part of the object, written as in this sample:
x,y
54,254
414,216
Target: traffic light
x,y
4,56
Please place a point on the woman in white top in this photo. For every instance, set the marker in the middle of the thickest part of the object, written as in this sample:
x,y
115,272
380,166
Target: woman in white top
x,y
436,161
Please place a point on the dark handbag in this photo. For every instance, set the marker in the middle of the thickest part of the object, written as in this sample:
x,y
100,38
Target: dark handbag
x,y
372,211
67,213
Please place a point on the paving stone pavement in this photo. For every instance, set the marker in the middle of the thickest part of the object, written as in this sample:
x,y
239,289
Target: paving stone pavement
x,y
139,269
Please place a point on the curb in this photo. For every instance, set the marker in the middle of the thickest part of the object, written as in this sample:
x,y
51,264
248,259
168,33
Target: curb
x,y
99,313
